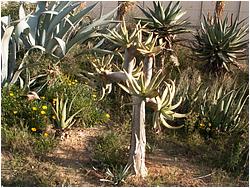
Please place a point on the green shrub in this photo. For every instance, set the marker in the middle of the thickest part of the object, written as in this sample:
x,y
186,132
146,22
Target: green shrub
x,y
12,8
16,108
20,140
86,98
234,155
27,171
110,149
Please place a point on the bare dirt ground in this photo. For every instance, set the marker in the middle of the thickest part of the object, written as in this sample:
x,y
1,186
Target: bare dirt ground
x,y
71,160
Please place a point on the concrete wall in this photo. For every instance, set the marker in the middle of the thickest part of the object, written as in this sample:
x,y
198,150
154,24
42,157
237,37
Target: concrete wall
x,y
194,9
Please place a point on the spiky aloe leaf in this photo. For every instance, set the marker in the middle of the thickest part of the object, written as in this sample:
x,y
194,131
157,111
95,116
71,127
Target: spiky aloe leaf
x,y
166,124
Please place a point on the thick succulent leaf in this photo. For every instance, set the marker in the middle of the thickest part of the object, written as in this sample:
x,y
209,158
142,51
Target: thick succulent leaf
x,y
5,52
173,107
62,14
33,20
154,80
69,120
22,65
125,88
164,122
133,82
61,44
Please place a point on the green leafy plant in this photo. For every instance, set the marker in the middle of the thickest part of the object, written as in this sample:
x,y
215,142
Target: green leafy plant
x,y
87,98
164,21
62,117
35,113
118,176
221,44
111,149
19,140
223,112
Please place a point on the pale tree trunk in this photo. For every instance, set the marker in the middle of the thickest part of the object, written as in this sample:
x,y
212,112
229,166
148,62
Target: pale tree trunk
x,y
129,59
148,69
138,137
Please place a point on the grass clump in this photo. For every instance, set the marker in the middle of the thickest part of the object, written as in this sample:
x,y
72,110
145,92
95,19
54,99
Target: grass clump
x,y
111,148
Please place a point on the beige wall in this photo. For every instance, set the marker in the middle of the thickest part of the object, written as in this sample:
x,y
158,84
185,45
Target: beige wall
x,y
194,9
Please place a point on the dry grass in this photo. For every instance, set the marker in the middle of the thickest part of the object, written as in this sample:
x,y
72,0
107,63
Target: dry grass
x,y
70,164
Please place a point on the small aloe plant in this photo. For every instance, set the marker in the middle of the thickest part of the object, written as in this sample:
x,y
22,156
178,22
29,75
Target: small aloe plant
x,y
62,112
118,176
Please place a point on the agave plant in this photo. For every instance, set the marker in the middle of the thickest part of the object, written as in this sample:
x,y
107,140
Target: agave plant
x,y
10,71
54,27
224,110
165,107
165,22
221,44
62,118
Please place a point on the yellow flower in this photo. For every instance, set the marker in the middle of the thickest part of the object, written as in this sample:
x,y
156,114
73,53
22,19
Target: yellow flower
x,y
202,125
33,129
42,97
34,108
69,84
15,112
107,115
73,83
76,80
46,134
94,96
43,112
54,117
11,94
44,107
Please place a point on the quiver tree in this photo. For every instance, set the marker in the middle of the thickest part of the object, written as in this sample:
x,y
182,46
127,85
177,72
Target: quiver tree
x,y
144,85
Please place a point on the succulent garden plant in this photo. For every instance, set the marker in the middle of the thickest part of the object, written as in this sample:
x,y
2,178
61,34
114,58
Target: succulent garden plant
x,y
224,110
138,86
165,22
221,44
54,27
62,113
142,82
